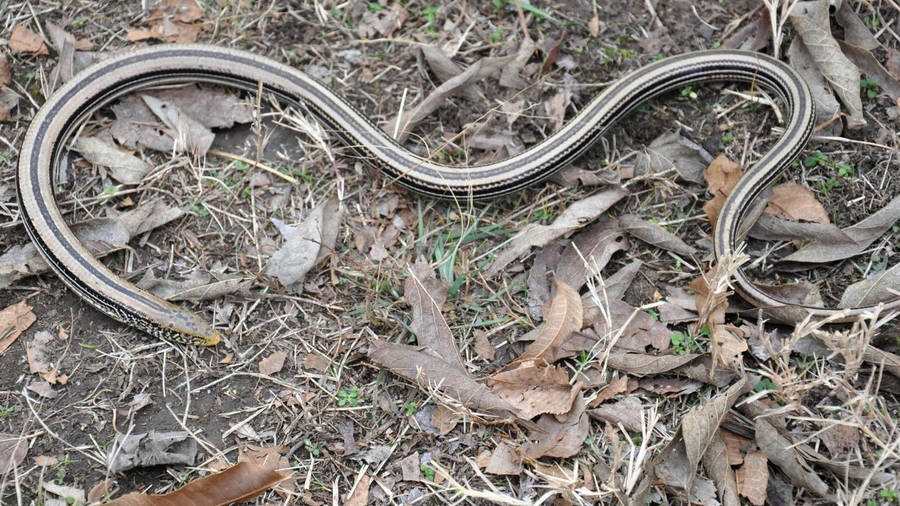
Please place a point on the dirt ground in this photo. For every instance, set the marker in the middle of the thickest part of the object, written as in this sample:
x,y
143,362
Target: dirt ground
x,y
329,411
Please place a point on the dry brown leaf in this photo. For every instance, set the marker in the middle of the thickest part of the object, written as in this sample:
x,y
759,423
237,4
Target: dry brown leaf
x,y
272,364
238,483
37,352
589,252
506,460
533,389
426,370
715,461
639,364
5,73
13,450
627,412
735,445
400,127
783,454
754,36
190,135
617,385
360,494
198,286
409,466
444,419
676,465
893,63
612,288
556,106
654,234
670,387
426,295
753,477
13,321
483,346
316,362
827,106
863,235
125,167
872,69
803,293
594,26
306,244
721,176
69,495
99,492
559,436
271,458
796,202
771,228
510,75
23,40
855,31
573,218
562,319
811,20
382,22
673,151
632,329
880,287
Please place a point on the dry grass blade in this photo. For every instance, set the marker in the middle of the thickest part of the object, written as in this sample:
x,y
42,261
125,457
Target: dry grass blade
x,y
238,483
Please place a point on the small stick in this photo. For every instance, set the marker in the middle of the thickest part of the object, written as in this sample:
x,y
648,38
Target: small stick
x,y
259,165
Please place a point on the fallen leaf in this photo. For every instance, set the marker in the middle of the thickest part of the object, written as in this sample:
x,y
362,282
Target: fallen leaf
x,y
611,288
510,77
735,446
881,287
676,465
673,151
37,352
13,321
125,168
654,234
190,135
574,217
5,72
562,318
801,293
556,107
483,347
796,202
23,40
99,492
272,364
506,460
721,176
893,63
863,234
100,236
382,22
811,20
426,295
444,419
855,31
42,388
71,495
771,228
409,466
8,101
754,36
753,477
199,286
238,483
13,450
594,26
670,387
64,44
782,453
445,69
306,244
139,402
827,106
360,494
628,412
533,389
429,371
617,385
589,252
45,461
629,328
400,127
559,436
872,69
715,461
639,364
316,362
841,440
151,449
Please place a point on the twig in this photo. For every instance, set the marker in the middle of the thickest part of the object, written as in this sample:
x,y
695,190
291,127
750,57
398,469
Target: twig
x,y
259,165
